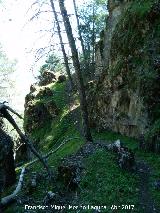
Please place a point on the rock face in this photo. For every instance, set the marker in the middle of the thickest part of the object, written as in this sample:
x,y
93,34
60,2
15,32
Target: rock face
x,y
103,47
125,97
39,109
7,168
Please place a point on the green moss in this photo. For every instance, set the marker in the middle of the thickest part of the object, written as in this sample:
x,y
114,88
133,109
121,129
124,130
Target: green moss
x,y
133,28
59,94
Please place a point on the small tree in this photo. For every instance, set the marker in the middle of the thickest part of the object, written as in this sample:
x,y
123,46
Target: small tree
x,y
52,63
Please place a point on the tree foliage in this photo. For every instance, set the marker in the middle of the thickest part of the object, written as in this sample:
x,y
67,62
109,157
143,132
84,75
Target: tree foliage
x,y
7,67
92,19
52,63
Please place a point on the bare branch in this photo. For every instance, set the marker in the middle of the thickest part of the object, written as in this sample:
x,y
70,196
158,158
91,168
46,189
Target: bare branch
x,y
38,14
14,112
52,151
3,106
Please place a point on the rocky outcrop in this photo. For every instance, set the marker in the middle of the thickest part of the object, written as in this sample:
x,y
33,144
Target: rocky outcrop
x,y
47,77
125,97
7,167
39,108
61,78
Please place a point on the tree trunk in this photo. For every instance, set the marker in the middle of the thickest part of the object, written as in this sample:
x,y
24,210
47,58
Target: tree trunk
x,y
83,102
62,45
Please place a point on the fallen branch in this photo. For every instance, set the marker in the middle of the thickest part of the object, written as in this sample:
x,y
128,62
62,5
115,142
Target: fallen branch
x,y
4,112
10,198
51,152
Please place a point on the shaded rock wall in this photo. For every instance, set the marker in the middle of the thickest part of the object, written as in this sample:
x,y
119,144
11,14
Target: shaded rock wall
x,y
7,167
125,97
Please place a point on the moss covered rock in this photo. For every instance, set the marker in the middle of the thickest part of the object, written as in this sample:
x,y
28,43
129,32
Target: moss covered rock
x,y
126,97
47,77
40,108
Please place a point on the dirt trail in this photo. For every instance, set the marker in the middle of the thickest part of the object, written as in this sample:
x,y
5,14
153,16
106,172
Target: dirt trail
x,y
147,203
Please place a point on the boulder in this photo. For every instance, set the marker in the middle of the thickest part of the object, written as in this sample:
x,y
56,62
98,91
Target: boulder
x,y
69,173
52,108
47,77
157,185
29,98
32,88
61,78
37,114
49,198
126,159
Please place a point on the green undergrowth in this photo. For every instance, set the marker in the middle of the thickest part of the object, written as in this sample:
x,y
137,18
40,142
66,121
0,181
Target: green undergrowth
x,y
103,183
151,158
60,129
55,131
141,8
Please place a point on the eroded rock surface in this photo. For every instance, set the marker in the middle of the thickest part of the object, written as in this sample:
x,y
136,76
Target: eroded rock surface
x,y
125,95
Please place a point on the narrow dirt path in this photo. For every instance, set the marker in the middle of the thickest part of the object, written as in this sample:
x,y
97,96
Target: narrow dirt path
x,y
147,203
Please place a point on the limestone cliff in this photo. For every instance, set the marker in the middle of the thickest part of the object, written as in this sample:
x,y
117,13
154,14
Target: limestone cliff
x,y
125,96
